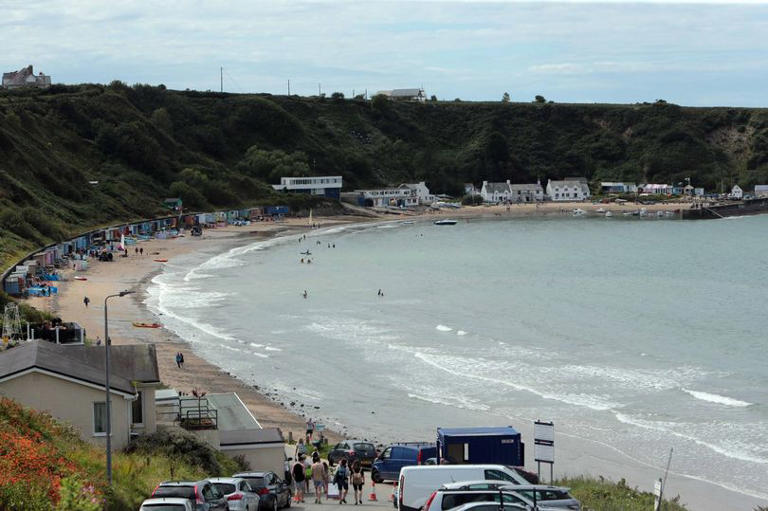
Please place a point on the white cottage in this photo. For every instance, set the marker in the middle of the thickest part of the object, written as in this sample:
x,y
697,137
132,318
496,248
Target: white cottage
x,y
737,192
496,192
569,189
526,193
421,191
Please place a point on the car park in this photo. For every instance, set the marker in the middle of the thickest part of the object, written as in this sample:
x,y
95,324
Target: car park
x,y
534,496
274,493
166,504
202,494
417,483
396,456
353,450
240,496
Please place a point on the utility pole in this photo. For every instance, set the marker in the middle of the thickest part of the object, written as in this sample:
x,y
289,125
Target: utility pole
x,y
289,87
221,78
319,93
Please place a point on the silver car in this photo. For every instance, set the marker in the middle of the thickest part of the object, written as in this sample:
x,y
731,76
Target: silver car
x,y
239,494
531,496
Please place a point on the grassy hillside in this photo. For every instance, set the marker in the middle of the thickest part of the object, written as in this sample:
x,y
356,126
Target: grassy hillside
x,y
143,143
47,467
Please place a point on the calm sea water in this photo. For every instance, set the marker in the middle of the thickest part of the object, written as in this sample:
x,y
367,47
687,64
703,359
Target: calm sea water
x,y
639,334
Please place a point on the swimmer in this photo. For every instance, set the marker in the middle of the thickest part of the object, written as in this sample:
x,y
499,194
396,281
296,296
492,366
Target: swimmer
x,y
305,294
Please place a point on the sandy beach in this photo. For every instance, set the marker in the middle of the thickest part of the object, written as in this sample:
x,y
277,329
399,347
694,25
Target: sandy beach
x,y
135,272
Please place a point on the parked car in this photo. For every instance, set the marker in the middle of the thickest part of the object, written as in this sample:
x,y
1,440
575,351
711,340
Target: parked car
x,y
396,456
167,504
353,450
240,496
491,506
202,494
535,496
273,492
417,483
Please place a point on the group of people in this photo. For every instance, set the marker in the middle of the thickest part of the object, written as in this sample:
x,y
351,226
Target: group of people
x,y
318,473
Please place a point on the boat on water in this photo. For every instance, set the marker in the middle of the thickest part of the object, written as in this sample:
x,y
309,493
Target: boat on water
x,y
608,214
578,212
446,222
146,325
306,252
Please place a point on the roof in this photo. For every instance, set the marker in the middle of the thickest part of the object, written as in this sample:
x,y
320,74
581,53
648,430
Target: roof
x,y
568,182
534,187
497,431
496,187
250,436
84,363
232,413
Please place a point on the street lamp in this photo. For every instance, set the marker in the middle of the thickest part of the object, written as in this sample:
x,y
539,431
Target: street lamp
x,y
107,343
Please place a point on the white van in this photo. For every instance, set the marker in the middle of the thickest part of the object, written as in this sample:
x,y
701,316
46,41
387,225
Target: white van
x,y
418,482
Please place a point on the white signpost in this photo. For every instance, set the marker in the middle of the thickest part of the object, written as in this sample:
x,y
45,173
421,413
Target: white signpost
x,y
544,446
657,495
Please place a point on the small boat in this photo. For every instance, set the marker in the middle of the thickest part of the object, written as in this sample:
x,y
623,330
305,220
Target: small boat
x,y
147,325
601,210
579,212
78,277
445,222
608,214
306,252
161,260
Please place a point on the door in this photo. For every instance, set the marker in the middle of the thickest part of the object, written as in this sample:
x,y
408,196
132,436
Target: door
x,y
400,459
386,465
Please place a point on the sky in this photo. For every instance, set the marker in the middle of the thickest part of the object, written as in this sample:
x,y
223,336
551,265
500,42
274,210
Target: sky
x,y
700,54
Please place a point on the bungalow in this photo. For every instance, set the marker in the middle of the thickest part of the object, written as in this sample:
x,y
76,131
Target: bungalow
x,y
328,186
496,192
68,382
655,189
737,192
568,189
421,191
617,187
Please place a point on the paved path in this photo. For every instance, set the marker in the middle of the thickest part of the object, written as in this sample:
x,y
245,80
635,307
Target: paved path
x,y
383,492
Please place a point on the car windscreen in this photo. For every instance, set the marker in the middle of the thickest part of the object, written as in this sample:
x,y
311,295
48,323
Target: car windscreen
x,y
163,507
225,488
547,494
367,448
256,482
185,492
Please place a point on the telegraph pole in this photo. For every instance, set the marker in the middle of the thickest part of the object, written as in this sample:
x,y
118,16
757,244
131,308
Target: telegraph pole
x,y
289,87
221,78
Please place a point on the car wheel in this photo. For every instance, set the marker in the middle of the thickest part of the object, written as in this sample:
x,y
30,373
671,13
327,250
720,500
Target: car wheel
x,y
376,477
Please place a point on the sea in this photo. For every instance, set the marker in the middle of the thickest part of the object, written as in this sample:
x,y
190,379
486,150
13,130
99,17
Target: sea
x,y
640,335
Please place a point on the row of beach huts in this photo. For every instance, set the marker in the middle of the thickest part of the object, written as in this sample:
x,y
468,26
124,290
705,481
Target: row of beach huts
x,y
23,278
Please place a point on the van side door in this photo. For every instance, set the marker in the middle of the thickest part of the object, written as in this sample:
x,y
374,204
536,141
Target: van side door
x,y
387,465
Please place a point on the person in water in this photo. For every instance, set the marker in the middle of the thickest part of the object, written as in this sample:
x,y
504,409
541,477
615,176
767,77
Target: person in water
x,y
305,294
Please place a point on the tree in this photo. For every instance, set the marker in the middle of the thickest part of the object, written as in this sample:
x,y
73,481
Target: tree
x,y
380,103
433,98
540,99
337,96
505,98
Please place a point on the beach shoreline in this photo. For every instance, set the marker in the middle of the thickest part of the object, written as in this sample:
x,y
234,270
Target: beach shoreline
x,y
265,403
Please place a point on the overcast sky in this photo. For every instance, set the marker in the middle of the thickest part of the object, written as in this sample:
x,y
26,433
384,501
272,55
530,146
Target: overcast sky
x,y
612,52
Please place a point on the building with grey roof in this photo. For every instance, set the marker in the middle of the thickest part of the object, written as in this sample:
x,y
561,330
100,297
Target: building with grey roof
x,y
404,94
69,383
568,189
25,77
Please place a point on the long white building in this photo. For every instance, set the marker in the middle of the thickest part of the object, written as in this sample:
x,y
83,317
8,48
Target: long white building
x,y
329,186
569,189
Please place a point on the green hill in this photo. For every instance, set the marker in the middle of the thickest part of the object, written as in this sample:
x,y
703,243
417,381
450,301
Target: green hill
x,y
144,143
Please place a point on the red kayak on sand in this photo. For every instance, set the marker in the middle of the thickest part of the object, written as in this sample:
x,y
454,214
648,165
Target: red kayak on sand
x,y
147,325
78,277
161,260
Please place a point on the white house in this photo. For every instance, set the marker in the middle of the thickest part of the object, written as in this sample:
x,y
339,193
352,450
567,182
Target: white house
x,y
421,191
404,94
761,190
737,192
655,189
469,189
496,192
569,189
25,77
328,186
617,187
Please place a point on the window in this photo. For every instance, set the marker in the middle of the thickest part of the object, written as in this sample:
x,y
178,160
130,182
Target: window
x,y
387,453
498,475
100,418
137,409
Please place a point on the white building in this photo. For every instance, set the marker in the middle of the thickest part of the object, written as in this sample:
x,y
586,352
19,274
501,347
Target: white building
x,y
761,190
569,189
404,94
25,77
421,191
655,189
617,187
328,186
737,192
496,192
382,197
469,189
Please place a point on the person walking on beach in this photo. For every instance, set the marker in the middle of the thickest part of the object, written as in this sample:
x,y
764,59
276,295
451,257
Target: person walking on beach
x,y
86,301
342,480
358,480
141,251
178,359
298,478
301,449
310,426
181,359
318,477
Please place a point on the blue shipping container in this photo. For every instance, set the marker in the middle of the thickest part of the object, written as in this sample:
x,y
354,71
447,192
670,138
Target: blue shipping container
x,y
502,446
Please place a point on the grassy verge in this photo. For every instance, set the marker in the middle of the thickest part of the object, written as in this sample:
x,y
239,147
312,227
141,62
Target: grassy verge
x,y
603,495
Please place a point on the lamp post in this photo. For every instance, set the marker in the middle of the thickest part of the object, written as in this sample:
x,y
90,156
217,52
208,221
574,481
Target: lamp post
x,y
107,343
